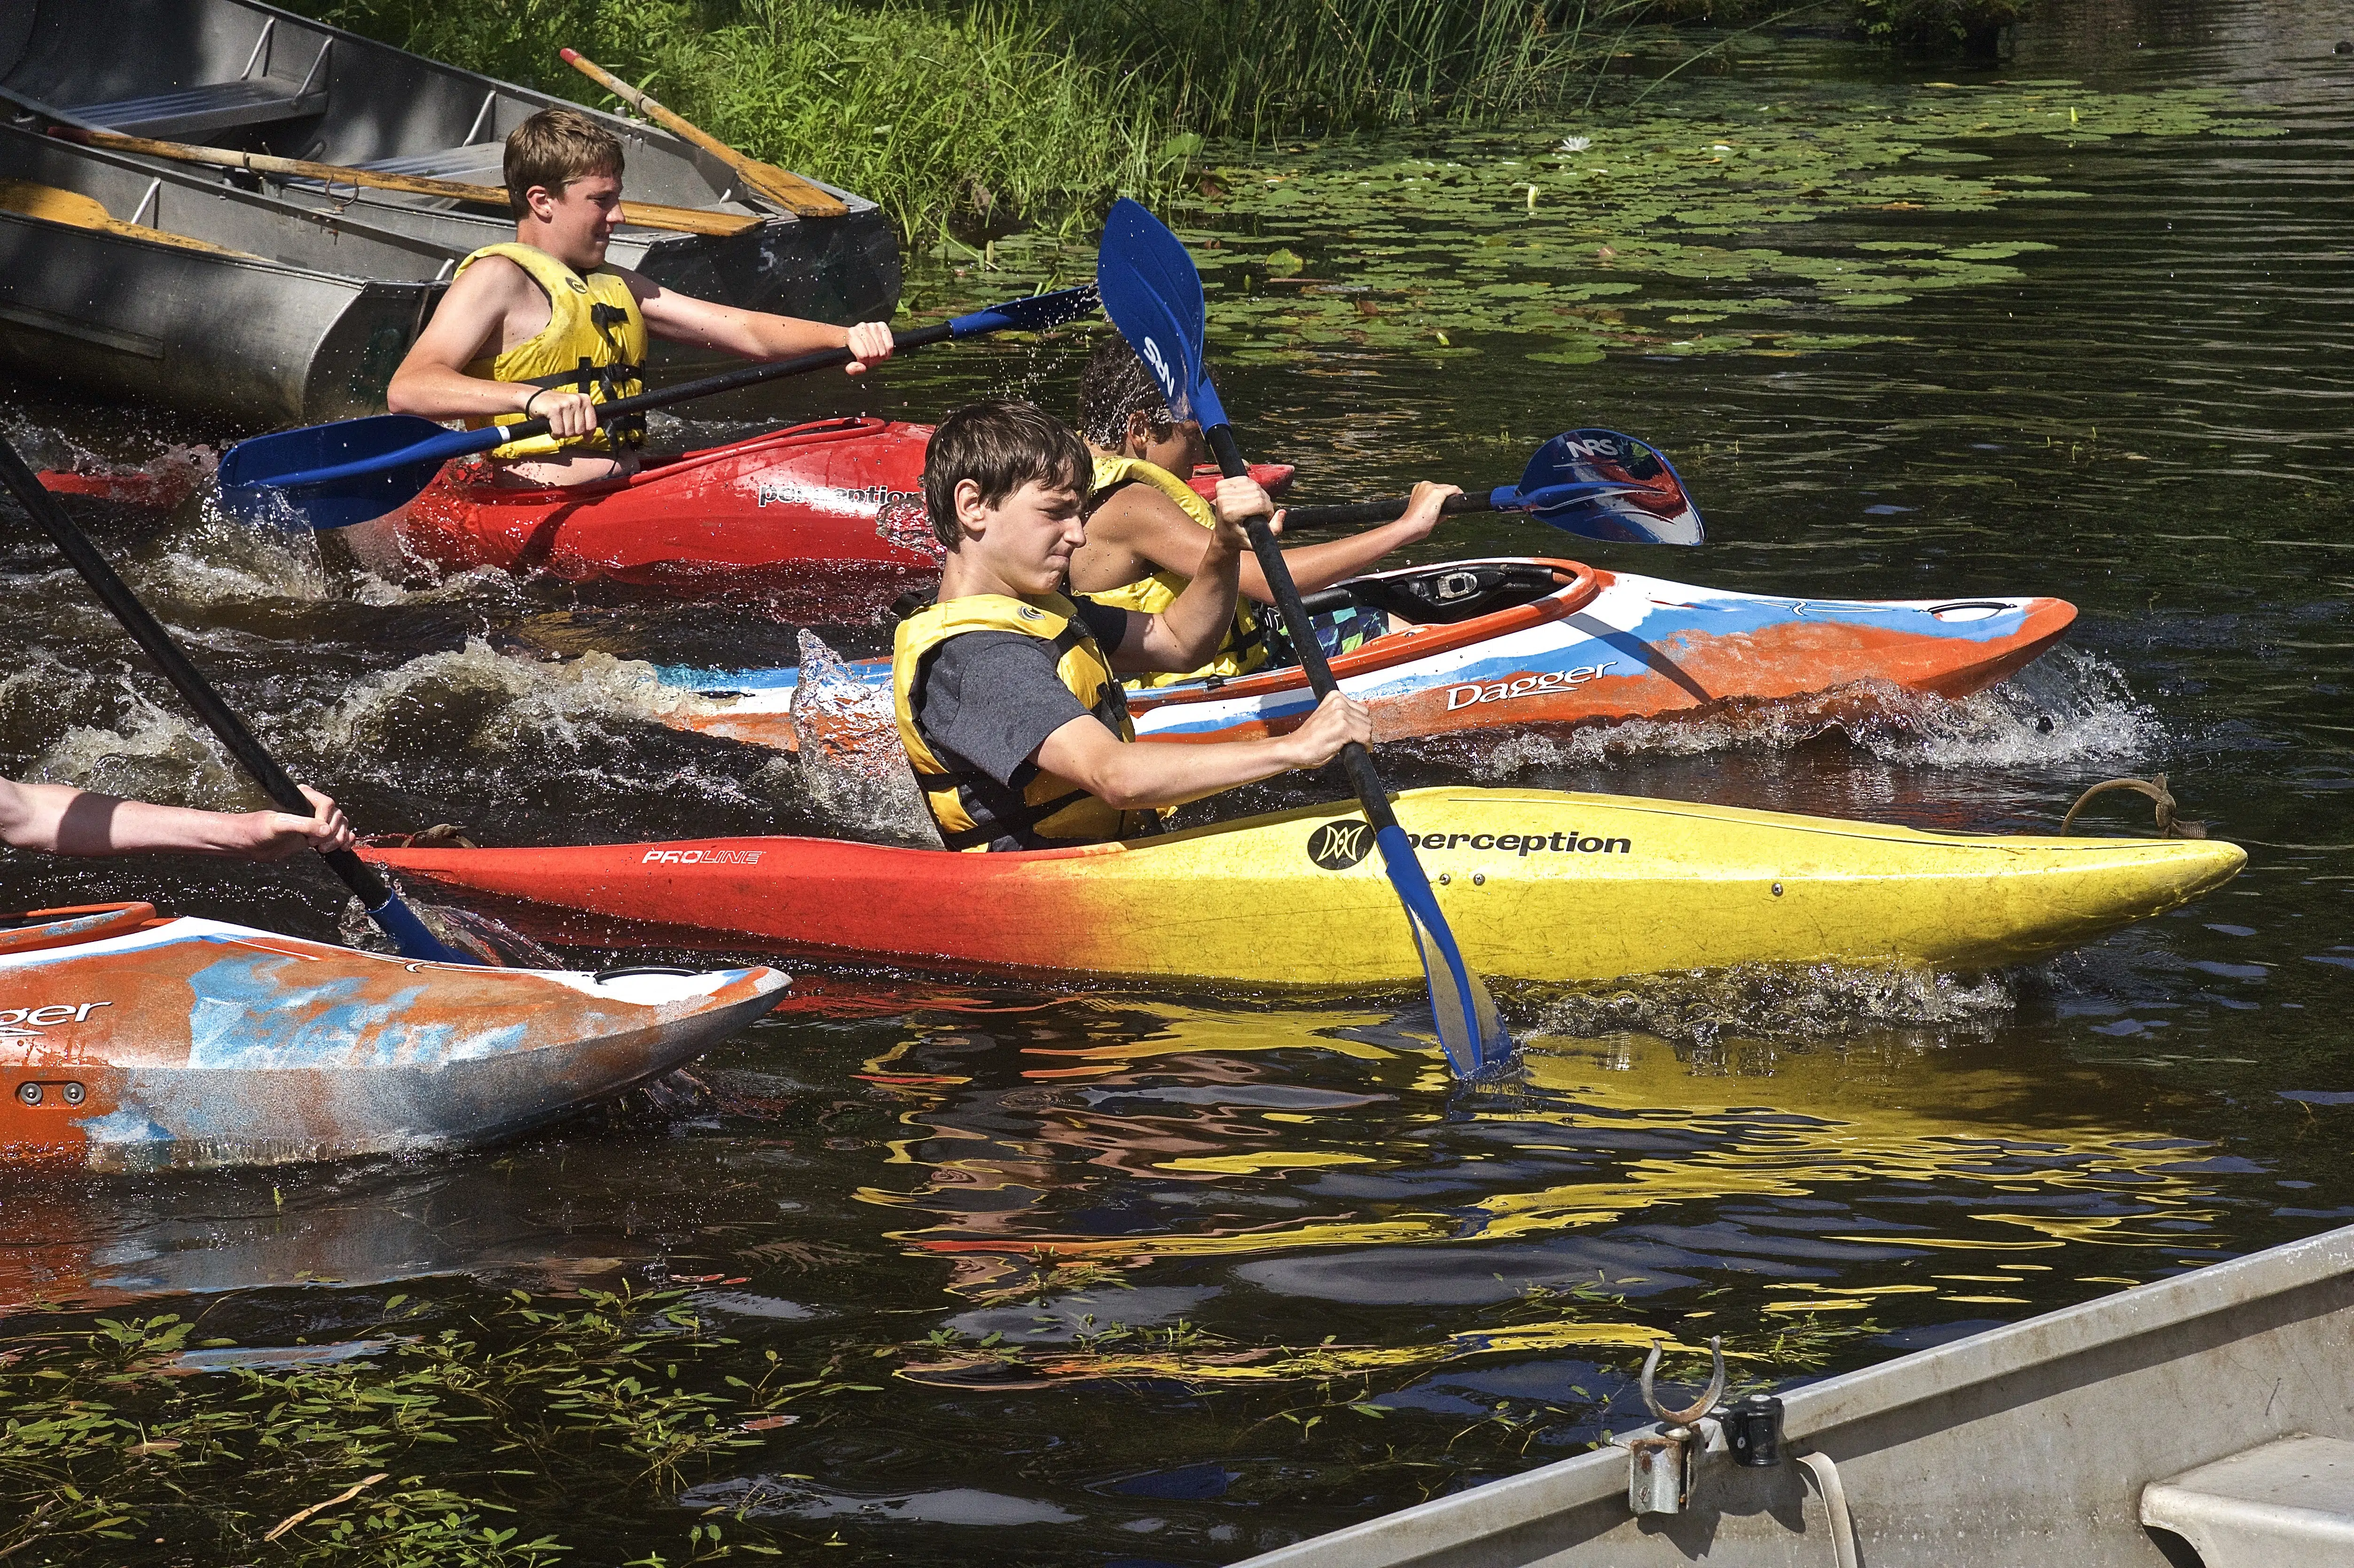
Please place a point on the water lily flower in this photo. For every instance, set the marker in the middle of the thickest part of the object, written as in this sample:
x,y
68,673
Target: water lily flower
x,y
1576,144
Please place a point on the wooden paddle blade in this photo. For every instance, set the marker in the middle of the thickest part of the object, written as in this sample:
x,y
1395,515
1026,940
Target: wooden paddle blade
x,y
1469,1025
1644,502
255,474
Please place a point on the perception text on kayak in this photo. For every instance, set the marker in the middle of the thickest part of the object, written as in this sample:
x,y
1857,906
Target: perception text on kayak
x,y
1523,843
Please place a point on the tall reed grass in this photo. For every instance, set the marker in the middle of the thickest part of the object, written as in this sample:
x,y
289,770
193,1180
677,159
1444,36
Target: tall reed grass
x,y
990,113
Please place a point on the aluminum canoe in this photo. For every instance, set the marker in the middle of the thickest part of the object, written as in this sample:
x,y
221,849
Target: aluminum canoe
x,y
2205,1419
1538,886
114,316
1500,644
127,1042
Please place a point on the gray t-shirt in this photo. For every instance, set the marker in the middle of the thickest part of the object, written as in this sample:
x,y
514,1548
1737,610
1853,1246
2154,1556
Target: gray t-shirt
x,y
991,698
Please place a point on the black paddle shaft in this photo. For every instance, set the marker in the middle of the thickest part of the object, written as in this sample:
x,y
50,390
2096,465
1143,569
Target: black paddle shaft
x,y
729,380
1355,759
149,633
1357,513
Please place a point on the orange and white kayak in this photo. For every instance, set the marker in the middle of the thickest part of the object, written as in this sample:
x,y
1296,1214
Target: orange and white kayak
x,y
1498,644
130,1042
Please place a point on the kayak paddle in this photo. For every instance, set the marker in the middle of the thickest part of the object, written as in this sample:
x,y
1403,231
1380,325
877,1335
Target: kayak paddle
x,y
332,476
396,919
1594,482
1153,295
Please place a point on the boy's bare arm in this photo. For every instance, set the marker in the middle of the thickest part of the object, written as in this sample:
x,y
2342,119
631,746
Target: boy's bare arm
x,y
1186,635
1131,777
58,818
1174,542
470,323
752,334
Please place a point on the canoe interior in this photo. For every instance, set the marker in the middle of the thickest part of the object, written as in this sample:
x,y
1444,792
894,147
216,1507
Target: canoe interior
x,y
230,73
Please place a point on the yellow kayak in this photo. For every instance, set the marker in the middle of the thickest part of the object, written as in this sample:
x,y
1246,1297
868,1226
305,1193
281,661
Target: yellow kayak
x,y
1537,884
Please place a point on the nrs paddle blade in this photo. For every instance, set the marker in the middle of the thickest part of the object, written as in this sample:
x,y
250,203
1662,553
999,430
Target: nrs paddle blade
x,y
1153,295
1638,497
1469,1026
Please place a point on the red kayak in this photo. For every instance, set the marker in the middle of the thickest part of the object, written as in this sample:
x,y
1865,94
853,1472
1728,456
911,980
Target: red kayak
x,y
817,521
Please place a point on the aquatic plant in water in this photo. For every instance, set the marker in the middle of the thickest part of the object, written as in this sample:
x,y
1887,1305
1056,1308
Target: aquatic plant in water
x,y
1714,224
418,1442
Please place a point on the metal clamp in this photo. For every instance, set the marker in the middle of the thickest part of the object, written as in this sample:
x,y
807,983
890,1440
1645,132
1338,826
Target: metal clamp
x,y
1661,1469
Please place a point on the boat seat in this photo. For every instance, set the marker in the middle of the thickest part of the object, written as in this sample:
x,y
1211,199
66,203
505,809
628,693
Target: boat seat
x,y
214,106
2289,1501
478,162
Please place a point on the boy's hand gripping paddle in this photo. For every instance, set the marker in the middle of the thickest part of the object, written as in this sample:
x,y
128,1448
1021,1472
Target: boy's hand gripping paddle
x,y
395,918
332,476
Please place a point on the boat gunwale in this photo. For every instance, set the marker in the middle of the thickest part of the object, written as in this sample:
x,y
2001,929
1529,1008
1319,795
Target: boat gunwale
x,y
1812,1411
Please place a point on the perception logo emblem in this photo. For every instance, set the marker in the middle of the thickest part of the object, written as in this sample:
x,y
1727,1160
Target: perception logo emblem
x,y
1337,846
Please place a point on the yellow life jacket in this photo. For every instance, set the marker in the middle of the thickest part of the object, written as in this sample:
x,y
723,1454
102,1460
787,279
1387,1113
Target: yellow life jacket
x,y
1245,647
1039,809
594,342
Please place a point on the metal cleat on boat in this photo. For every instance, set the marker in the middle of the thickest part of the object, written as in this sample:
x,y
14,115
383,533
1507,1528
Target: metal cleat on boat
x,y
1662,1467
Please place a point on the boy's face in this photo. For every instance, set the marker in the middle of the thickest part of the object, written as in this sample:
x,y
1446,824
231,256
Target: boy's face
x,y
1027,539
574,225
1179,449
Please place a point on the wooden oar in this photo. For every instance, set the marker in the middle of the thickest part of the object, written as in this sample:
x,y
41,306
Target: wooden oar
x,y
57,206
641,215
780,188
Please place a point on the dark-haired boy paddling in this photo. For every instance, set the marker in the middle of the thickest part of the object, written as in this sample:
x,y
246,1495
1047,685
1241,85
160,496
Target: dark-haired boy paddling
x,y
541,326
1007,698
1146,527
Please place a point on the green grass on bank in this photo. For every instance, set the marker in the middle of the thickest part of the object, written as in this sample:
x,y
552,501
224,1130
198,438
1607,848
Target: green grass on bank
x,y
991,115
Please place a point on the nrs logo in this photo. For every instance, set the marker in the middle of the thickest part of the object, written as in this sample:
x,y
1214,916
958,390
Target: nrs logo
x,y
26,1022
1465,697
1160,371
1337,846
700,857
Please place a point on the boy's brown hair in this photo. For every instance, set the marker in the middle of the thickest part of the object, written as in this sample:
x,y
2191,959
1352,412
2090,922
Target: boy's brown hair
x,y
1001,447
554,147
1116,387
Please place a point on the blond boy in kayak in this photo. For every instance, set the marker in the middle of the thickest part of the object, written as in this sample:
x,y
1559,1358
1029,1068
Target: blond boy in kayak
x,y
1007,698
541,326
57,819
1147,528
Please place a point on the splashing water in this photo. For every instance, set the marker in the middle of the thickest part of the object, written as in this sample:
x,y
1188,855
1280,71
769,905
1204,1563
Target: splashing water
x,y
1782,1003
847,739
2068,706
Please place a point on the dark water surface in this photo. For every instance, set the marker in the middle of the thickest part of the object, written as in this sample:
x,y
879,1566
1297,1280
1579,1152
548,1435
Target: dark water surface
x,y
1141,1277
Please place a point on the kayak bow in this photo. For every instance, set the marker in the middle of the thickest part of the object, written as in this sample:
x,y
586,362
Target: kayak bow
x,y
1538,886
130,1042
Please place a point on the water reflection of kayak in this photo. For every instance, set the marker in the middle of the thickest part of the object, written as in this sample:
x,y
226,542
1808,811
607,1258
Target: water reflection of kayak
x,y
1501,643
130,1042
1538,886
824,520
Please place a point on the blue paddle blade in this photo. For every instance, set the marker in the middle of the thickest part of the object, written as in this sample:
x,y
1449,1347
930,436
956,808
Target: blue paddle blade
x,y
332,476
1036,314
1469,1026
1638,497
1153,296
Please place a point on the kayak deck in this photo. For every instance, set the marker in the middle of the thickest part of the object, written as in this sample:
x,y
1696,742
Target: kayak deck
x,y
1539,885
130,1042
1500,644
